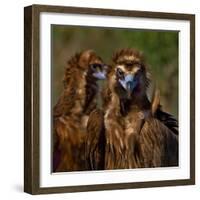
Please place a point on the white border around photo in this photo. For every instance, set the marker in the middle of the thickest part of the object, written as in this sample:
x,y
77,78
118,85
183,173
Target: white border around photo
x,y
49,179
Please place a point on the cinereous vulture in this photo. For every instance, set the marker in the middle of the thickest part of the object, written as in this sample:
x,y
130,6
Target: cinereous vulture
x,y
131,131
71,112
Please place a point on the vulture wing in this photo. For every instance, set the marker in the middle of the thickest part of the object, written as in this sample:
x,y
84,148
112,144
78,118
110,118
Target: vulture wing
x,y
164,117
159,145
168,120
95,141
65,103
68,145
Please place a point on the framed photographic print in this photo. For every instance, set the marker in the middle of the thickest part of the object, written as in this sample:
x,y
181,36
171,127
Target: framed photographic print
x,y
109,99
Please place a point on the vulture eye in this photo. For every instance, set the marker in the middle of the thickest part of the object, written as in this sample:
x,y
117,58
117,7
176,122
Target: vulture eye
x,y
120,72
129,65
95,66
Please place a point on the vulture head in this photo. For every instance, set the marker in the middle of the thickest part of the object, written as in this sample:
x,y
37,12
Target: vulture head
x,y
87,63
80,83
128,77
92,64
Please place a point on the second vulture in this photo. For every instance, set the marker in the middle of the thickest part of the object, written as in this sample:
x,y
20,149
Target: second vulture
x,y
71,112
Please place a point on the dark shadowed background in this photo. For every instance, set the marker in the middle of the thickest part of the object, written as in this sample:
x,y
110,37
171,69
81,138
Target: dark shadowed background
x,y
160,49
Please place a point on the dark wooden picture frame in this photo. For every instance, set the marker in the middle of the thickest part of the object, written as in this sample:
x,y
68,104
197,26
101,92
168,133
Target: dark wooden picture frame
x,y
32,92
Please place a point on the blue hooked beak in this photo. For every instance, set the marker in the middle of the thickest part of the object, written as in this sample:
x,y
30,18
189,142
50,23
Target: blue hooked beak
x,y
100,75
129,83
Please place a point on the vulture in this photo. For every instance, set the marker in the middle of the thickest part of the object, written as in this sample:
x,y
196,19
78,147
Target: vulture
x,y
130,131
70,114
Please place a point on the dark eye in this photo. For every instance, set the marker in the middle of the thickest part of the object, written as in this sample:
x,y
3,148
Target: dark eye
x,y
120,72
95,66
129,65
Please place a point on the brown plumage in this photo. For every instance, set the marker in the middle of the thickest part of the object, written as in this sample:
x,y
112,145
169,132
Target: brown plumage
x,y
131,131
71,112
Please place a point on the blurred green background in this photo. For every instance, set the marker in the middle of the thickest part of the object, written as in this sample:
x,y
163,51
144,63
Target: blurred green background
x,y
159,47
